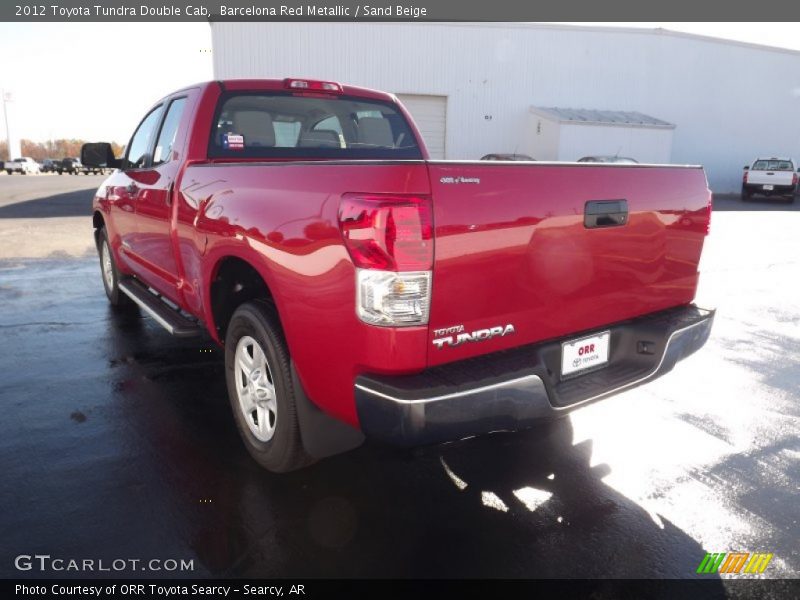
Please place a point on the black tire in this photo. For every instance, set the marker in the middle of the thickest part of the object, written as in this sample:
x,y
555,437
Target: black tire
x,y
111,283
9,171
746,194
283,451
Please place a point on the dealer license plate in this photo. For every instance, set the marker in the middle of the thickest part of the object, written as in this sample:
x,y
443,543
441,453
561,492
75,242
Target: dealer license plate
x,y
769,187
585,353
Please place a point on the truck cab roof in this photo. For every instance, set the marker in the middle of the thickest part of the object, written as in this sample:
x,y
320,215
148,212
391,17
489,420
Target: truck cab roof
x,y
282,85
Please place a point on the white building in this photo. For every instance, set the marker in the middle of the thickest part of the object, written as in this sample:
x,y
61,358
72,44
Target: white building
x,y
567,134
476,88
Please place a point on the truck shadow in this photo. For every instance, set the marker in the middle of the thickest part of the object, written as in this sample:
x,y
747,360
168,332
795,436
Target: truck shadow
x,y
527,505
67,204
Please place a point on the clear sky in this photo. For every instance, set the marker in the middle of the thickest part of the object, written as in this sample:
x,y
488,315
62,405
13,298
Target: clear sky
x,y
95,80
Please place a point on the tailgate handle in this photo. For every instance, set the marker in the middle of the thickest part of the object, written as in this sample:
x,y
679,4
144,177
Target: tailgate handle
x,y
605,213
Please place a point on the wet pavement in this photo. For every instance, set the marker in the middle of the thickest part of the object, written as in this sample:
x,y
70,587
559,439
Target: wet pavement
x,y
117,442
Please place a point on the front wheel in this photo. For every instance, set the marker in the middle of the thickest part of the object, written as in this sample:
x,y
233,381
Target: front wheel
x,y
260,389
110,273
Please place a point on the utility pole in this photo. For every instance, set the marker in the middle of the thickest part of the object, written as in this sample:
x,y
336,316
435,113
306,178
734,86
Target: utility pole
x,y
6,97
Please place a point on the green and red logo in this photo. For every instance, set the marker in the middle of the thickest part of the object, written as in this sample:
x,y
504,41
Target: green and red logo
x,y
734,562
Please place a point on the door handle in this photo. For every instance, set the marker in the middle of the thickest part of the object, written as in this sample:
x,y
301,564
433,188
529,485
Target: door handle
x,y
132,188
605,213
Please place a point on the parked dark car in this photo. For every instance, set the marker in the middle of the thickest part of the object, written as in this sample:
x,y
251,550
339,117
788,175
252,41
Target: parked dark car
x,y
73,166
68,165
50,165
622,160
507,157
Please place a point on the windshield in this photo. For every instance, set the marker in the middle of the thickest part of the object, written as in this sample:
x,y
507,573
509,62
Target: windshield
x,y
773,165
283,125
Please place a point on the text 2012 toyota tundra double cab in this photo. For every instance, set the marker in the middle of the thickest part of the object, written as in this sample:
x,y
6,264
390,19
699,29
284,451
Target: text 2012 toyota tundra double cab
x,y
361,289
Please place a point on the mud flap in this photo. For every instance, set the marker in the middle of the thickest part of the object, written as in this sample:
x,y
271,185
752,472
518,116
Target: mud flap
x,y
321,434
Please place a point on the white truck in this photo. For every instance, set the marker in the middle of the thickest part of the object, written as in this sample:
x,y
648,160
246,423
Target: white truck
x,y
770,176
25,165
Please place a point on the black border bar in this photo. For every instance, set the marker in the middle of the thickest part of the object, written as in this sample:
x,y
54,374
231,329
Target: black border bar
x,y
711,588
390,11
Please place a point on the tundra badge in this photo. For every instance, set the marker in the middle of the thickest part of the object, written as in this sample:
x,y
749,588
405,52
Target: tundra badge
x,y
455,336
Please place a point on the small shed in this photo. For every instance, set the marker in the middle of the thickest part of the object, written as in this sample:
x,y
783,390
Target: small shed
x,y
569,134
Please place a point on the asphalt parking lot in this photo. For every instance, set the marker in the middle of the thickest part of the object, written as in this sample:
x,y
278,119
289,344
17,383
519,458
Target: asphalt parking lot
x,y
46,215
117,442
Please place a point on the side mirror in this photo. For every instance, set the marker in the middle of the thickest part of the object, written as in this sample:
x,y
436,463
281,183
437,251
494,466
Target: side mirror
x,y
99,154
746,167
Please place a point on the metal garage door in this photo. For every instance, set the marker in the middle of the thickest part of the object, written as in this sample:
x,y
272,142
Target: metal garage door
x,y
430,115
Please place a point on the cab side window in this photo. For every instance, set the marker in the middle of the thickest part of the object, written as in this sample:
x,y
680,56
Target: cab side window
x,y
138,155
169,129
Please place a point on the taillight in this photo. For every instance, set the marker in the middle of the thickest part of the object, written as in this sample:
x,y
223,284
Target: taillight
x,y
794,179
744,177
393,233
390,240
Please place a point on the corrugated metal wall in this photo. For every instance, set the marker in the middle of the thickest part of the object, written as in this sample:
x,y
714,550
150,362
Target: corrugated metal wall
x,y
730,101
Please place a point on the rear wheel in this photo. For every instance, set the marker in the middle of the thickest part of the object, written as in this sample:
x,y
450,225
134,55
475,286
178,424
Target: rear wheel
x,y
746,194
260,389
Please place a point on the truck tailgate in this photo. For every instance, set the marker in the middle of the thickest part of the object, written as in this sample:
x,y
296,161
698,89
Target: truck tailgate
x,y
759,177
546,249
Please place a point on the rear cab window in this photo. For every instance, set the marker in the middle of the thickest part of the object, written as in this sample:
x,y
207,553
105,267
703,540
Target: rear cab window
x,y
773,165
284,125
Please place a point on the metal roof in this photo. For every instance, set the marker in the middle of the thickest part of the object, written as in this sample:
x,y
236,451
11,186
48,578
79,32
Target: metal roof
x,y
600,117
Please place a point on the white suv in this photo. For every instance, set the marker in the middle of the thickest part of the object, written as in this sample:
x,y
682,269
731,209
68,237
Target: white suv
x,y
770,176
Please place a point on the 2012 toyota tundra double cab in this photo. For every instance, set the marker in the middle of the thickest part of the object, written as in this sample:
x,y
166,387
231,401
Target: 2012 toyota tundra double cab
x,y
360,288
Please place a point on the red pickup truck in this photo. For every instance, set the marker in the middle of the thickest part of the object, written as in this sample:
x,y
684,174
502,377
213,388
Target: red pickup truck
x,y
361,289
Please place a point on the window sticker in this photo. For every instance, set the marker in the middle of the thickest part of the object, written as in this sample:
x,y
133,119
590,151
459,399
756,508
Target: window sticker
x,y
233,141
